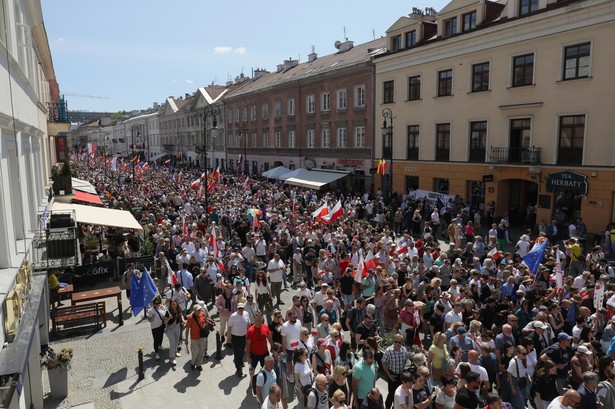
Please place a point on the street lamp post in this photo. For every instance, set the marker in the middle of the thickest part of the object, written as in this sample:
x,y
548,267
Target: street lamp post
x,y
210,111
244,133
387,153
132,134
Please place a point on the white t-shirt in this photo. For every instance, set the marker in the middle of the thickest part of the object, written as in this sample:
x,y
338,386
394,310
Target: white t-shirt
x,y
291,332
402,398
523,247
556,404
276,271
452,317
512,368
304,371
484,377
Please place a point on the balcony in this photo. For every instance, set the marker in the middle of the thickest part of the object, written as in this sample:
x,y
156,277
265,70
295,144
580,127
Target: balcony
x,y
55,243
517,156
57,112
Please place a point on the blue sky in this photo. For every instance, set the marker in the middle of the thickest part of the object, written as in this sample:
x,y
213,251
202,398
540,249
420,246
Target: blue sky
x,y
136,52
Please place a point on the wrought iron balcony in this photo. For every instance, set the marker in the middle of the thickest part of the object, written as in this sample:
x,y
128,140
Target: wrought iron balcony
x,y
518,156
57,112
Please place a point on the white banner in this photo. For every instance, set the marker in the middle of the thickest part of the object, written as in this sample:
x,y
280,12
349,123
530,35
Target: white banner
x,y
598,295
431,197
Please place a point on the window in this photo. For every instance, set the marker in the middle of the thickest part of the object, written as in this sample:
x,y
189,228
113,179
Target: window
x,y
414,88
310,104
265,139
413,142
571,138
440,185
325,102
3,29
253,112
443,142
410,38
480,77
342,100
478,141
445,83
341,137
277,139
469,21
254,138
450,27
291,107
396,43
265,111
230,116
237,115
359,96
325,138
523,70
359,137
311,138
527,6
388,92
291,139
245,114
576,61
277,110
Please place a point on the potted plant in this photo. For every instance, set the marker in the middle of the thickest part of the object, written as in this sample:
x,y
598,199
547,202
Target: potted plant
x,y
61,174
57,365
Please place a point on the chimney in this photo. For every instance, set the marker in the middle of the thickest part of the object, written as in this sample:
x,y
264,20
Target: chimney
x,y
312,56
290,63
229,83
259,72
279,68
155,104
187,96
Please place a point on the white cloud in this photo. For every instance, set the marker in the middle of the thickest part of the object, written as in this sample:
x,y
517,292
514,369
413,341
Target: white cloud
x,y
60,40
223,50
240,50
189,81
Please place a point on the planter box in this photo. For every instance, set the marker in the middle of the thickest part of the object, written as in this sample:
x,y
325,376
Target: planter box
x,y
58,382
63,182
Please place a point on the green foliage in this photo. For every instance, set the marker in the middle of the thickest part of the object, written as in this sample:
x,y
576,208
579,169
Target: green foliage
x,y
50,359
119,115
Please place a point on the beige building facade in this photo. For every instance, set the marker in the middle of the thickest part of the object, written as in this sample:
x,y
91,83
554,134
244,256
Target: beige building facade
x,y
506,102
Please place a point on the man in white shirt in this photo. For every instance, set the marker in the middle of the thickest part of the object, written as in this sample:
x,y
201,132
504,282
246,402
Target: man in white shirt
x,y
238,325
570,400
276,268
403,393
291,330
453,316
473,356
274,400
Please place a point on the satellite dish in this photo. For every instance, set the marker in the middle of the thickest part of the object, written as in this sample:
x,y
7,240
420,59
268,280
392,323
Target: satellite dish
x,y
337,44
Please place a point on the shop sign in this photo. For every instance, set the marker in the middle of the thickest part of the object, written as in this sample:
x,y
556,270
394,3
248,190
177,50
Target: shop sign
x,y
350,162
411,169
568,180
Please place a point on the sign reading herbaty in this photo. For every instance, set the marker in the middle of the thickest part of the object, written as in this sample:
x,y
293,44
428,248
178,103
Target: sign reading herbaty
x,y
567,180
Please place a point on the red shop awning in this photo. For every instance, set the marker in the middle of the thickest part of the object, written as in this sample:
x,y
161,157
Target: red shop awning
x,y
86,198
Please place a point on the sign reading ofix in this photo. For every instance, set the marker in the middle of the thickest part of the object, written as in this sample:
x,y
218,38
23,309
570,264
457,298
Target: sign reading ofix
x,y
568,180
350,162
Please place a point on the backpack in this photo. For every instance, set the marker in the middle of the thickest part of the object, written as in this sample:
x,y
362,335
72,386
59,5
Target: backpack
x,y
254,380
343,318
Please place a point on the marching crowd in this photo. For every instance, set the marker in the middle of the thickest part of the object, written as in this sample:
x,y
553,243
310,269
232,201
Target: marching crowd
x,y
407,291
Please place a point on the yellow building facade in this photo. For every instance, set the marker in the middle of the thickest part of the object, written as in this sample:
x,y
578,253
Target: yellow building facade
x,y
505,102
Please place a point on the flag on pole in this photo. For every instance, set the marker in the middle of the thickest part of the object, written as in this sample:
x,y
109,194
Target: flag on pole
x,y
381,167
494,254
534,257
335,213
143,291
370,261
213,242
195,184
361,270
559,276
321,212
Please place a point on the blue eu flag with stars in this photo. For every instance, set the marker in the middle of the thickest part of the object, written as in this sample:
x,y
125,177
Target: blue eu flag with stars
x,y
142,292
534,257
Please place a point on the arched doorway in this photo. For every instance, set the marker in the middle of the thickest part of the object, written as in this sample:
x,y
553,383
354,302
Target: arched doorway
x,y
517,198
277,163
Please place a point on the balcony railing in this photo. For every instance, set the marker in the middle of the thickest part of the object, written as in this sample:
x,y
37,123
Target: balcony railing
x,y
519,156
57,112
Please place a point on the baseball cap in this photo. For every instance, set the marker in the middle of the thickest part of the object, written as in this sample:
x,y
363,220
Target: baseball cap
x,y
240,305
540,324
562,336
584,350
461,330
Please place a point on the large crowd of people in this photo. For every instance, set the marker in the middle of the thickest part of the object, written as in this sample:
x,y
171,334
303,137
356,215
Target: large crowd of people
x,y
409,291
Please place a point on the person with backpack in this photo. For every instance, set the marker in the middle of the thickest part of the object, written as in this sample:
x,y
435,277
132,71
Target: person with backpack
x,y
318,396
263,381
353,319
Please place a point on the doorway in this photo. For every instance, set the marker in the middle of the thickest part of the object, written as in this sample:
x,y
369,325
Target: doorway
x,y
519,138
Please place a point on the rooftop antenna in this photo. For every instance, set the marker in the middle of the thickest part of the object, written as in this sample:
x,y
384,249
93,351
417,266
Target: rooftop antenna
x,y
299,58
345,38
373,34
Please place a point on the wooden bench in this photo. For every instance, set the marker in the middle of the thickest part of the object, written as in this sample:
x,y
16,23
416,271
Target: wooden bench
x,y
80,315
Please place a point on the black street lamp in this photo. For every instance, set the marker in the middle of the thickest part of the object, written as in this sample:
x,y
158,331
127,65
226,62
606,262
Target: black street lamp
x,y
132,134
387,153
243,131
210,111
